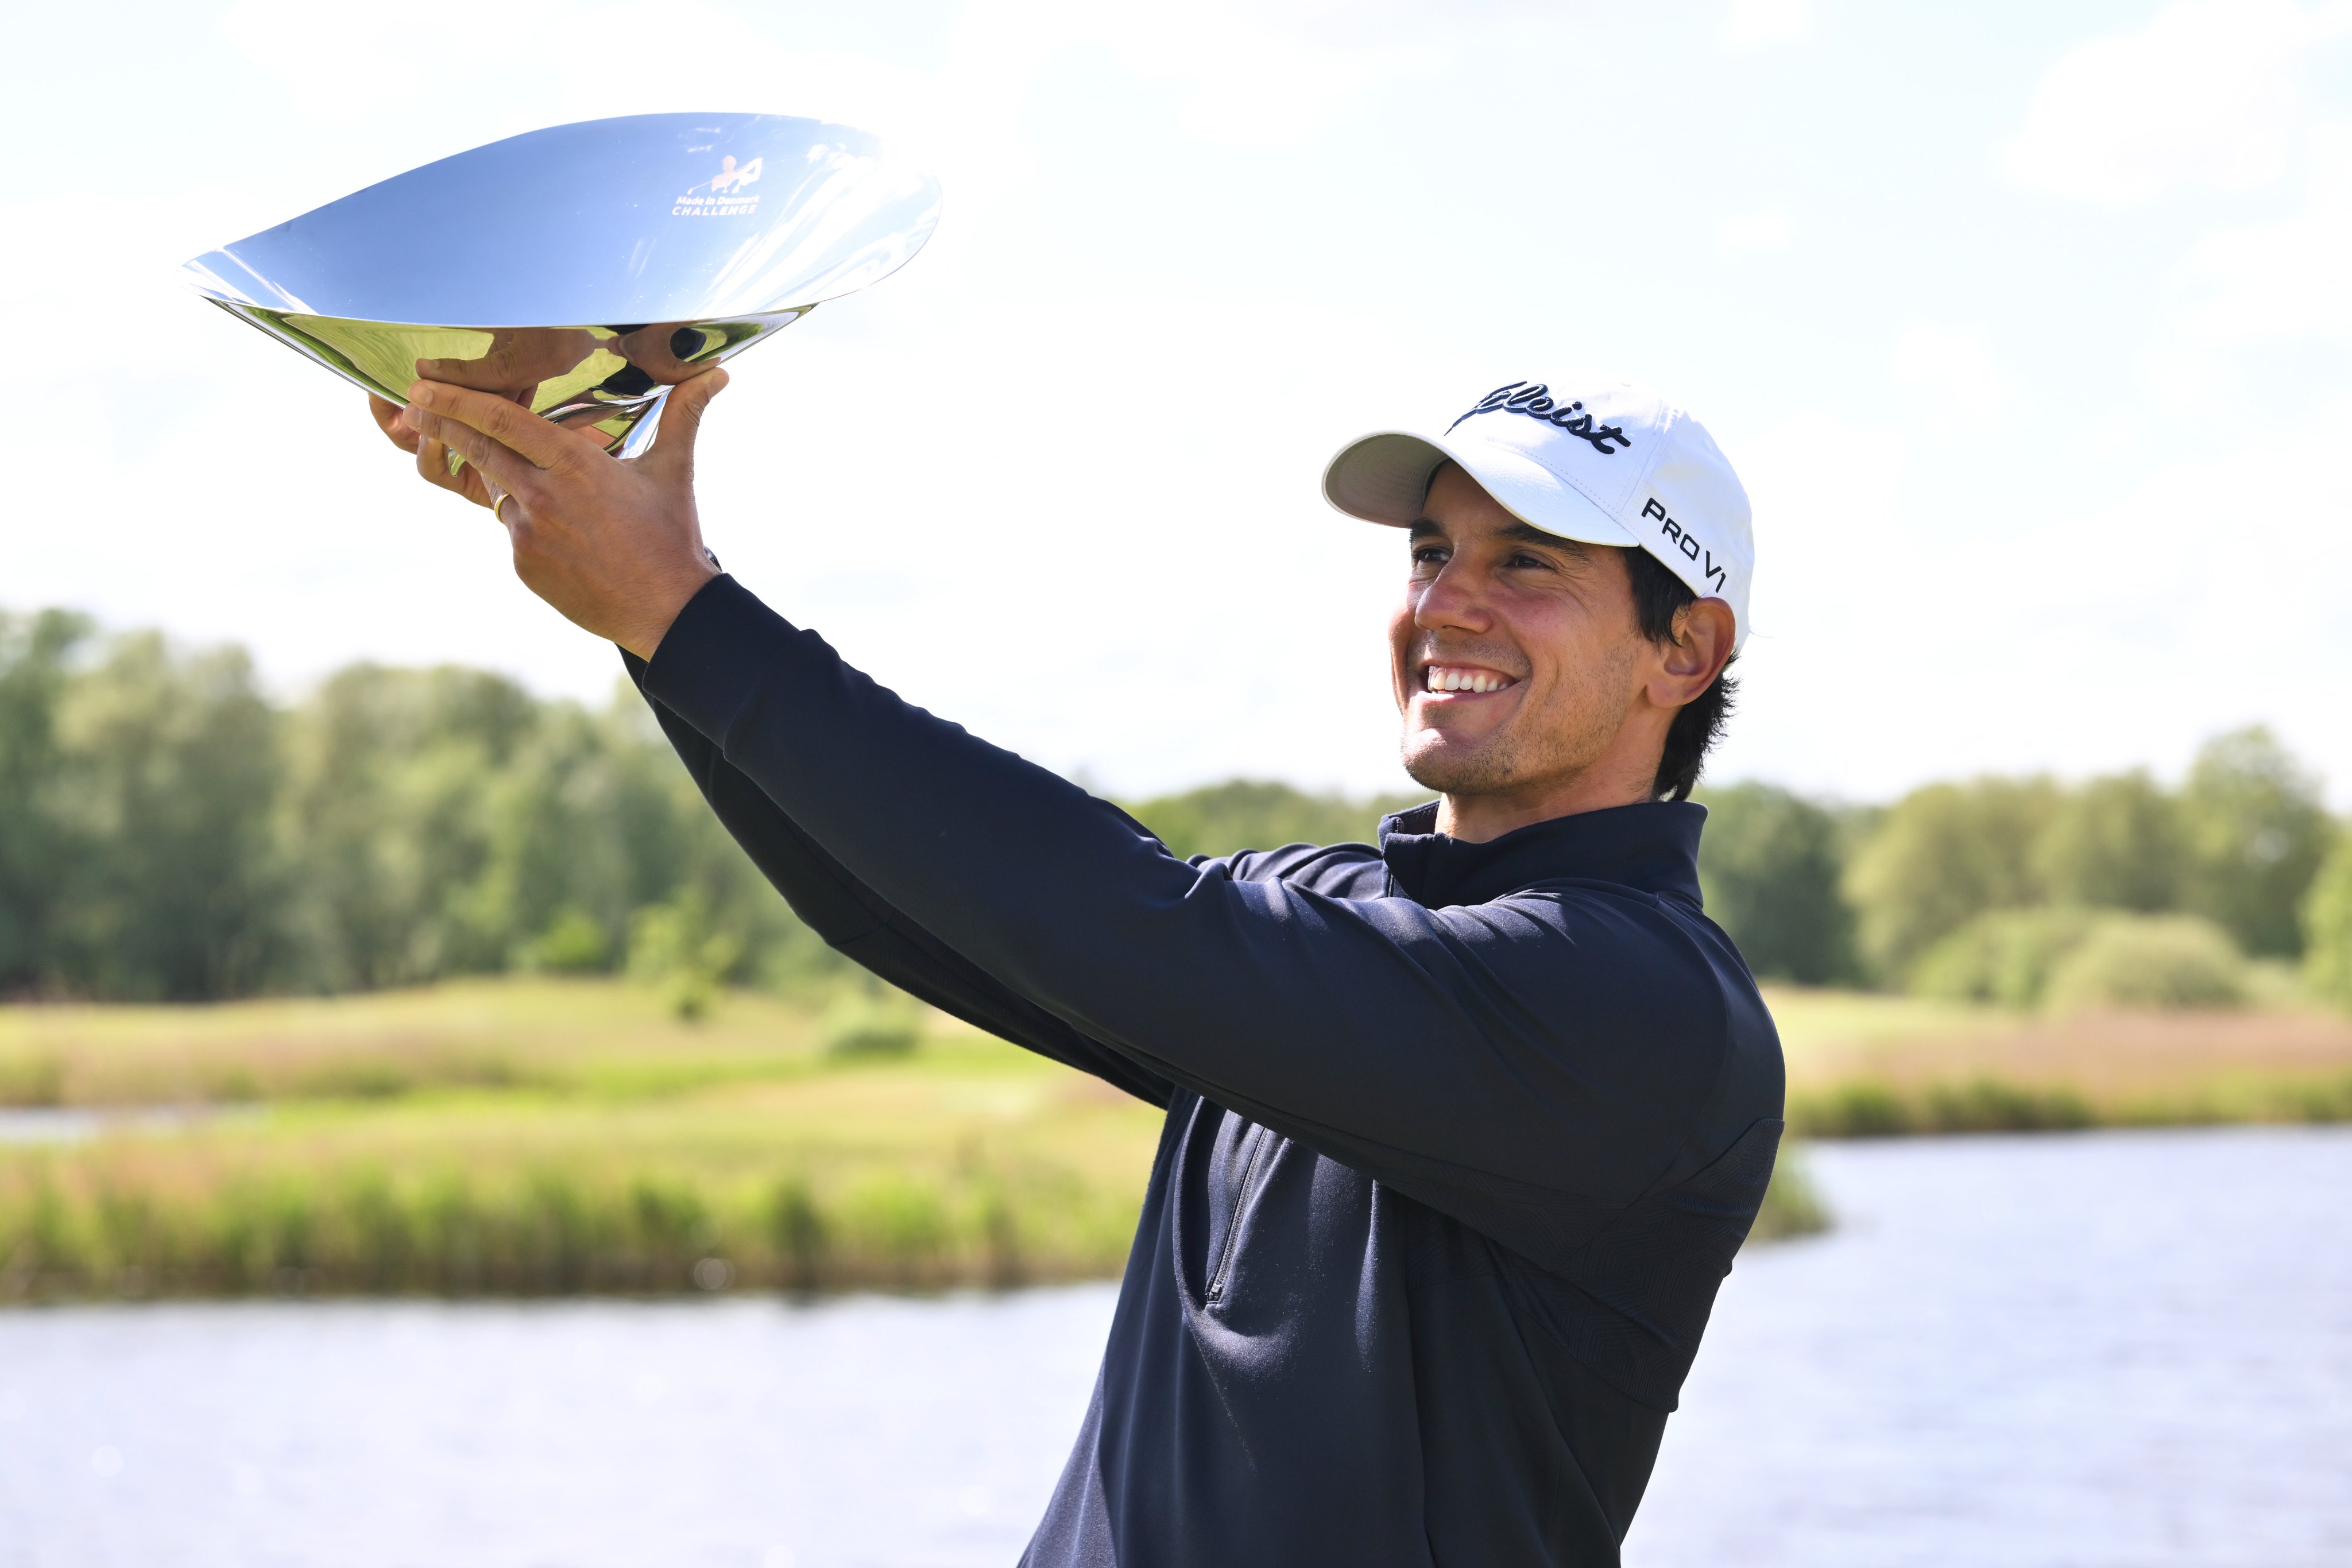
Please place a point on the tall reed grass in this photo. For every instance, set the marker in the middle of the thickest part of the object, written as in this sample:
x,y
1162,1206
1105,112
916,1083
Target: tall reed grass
x,y
85,1223
1877,1108
77,1226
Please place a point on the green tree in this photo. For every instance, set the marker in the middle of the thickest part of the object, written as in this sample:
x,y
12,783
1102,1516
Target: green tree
x,y
2256,833
37,847
2327,926
1769,864
583,819
1944,855
1255,814
388,817
170,766
2114,843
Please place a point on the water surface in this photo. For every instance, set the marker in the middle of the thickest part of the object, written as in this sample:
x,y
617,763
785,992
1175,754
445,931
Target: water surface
x,y
2127,1349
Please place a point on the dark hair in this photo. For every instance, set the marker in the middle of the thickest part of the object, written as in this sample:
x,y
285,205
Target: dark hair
x,y
1658,597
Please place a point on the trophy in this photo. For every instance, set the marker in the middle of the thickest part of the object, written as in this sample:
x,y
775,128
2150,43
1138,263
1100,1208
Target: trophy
x,y
585,270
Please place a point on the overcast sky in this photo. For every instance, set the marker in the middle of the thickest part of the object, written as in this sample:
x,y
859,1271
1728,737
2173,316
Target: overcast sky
x,y
2027,325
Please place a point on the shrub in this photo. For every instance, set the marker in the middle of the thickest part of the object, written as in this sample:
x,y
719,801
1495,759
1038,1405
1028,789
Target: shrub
x,y
1792,1204
797,1232
863,1023
1945,854
572,944
680,950
2006,956
2168,961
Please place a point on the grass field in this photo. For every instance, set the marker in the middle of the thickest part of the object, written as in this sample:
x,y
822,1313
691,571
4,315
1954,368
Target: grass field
x,y
1865,1065
548,1136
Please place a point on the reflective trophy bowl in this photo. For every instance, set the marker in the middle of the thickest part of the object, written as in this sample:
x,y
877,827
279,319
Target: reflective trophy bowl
x,y
583,270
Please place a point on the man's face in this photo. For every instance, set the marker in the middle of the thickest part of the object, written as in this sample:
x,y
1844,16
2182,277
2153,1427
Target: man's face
x,y
1517,656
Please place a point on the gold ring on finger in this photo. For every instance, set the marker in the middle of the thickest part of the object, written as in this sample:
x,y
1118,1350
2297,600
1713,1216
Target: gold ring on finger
x,y
497,508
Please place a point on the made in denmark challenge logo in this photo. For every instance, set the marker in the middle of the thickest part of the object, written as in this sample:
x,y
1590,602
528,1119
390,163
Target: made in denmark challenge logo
x,y
721,196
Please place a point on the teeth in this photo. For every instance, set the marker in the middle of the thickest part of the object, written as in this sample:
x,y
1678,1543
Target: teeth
x,y
1441,679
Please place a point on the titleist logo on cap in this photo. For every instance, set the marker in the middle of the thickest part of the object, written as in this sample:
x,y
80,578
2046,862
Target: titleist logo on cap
x,y
1534,400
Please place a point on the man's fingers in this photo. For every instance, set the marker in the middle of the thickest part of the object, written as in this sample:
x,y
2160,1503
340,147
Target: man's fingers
x,y
433,464
507,469
516,429
386,414
681,421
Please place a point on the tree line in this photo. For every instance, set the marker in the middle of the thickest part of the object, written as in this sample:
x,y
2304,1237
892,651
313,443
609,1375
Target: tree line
x,y
171,834
1987,888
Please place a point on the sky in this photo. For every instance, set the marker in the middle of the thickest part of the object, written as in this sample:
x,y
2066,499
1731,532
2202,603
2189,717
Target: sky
x,y
2025,325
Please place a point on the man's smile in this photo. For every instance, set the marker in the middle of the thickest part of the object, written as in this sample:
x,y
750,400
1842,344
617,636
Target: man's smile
x,y
1460,681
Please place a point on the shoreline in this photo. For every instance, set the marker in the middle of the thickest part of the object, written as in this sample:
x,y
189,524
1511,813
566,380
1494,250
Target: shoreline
x,y
550,1138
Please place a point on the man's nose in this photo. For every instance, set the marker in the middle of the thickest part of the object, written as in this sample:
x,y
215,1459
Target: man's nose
x,y
1454,598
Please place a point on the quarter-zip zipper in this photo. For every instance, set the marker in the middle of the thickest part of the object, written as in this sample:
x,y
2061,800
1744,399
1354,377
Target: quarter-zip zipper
x,y
1233,1222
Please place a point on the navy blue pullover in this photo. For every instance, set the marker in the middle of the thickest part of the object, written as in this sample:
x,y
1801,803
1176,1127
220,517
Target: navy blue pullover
x,y
1461,1137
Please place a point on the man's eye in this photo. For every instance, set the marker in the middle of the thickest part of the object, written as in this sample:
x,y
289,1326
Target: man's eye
x,y
1429,555
1523,560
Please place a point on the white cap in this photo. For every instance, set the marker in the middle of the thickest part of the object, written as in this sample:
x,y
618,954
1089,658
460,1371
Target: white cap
x,y
1600,461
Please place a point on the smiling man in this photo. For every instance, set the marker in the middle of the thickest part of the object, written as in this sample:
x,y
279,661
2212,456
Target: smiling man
x,y
1464,1128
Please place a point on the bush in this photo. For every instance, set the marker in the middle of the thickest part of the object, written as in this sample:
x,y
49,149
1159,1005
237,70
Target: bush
x,y
1945,854
2005,956
1792,1204
864,1021
2327,927
678,948
2074,957
573,944
2167,961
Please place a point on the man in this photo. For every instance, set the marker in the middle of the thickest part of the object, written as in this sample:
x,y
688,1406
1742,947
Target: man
x,y
1463,1130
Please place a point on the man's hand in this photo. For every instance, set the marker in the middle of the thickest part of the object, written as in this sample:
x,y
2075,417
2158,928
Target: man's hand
x,y
615,546
432,457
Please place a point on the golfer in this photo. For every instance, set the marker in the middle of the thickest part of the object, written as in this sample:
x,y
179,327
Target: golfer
x,y
1463,1129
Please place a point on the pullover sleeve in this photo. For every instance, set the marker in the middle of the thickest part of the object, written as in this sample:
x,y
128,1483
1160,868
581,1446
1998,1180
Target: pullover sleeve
x,y
855,920
1487,1059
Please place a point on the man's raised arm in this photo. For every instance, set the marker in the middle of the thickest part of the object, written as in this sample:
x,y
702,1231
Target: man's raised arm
x,y
856,922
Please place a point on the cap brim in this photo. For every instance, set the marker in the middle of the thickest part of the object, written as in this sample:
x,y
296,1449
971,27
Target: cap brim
x,y
1384,478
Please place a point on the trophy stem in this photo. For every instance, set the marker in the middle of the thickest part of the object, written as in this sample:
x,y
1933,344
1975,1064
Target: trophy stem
x,y
640,438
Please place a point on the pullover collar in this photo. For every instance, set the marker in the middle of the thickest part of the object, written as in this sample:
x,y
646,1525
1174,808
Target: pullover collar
x,y
1651,846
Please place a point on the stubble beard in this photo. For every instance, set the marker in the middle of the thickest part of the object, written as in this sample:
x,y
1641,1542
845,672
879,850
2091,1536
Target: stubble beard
x,y
1523,754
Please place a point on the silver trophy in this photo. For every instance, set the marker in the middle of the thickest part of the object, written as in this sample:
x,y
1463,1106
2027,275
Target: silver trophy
x,y
583,270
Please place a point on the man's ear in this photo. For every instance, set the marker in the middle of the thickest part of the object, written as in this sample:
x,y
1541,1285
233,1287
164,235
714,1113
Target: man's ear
x,y
1689,664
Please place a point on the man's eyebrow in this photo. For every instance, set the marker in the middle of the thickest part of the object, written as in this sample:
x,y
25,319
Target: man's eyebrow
x,y
1517,533
1529,534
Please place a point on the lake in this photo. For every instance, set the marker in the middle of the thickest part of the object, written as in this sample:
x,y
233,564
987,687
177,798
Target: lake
x,y
2107,1348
